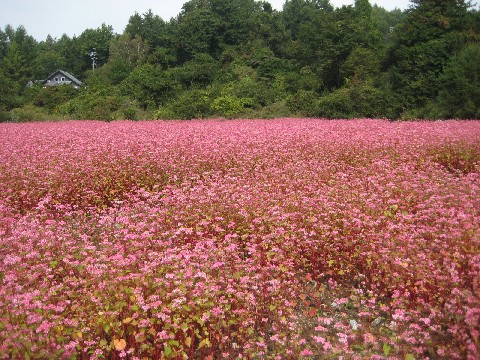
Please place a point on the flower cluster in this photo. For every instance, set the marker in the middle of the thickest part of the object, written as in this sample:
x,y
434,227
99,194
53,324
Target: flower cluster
x,y
265,239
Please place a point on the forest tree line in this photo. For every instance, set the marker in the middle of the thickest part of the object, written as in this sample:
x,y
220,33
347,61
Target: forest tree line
x,y
242,58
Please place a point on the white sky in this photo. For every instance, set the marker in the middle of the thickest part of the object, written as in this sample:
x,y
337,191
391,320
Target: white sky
x,y
72,17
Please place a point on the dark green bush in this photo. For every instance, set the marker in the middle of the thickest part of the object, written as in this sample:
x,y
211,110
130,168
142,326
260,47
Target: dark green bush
x,y
28,113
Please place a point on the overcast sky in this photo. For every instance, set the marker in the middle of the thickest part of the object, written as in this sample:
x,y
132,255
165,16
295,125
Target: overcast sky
x,y
72,17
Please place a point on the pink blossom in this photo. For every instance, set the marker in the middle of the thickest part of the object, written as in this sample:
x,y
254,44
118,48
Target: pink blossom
x,y
306,352
256,237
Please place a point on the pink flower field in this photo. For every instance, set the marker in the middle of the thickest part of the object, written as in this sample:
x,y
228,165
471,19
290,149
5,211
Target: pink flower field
x,y
263,239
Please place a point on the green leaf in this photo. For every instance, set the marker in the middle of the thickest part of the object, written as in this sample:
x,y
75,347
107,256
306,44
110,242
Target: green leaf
x,y
387,213
167,351
205,342
174,343
386,349
409,357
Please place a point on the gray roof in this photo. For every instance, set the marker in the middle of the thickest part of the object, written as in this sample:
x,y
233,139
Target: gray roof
x,y
70,77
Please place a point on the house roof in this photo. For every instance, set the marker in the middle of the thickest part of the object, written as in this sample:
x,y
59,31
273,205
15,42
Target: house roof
x,y
67,75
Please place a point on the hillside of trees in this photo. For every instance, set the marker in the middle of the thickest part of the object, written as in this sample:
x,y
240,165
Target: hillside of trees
x,y
241,58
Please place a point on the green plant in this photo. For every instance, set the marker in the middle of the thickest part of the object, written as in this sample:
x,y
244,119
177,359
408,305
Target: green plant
x,y
130,113
27,113
228,106
302,102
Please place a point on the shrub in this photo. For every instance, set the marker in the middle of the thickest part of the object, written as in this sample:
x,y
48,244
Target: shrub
x,y
28,113
192,104
303,102
228,106
130,113
52,97
336,105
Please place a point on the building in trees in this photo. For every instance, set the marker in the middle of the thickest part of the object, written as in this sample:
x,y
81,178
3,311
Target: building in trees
x,y
61,77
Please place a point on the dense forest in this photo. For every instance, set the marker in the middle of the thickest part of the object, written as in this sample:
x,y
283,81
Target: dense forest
x,y
241,58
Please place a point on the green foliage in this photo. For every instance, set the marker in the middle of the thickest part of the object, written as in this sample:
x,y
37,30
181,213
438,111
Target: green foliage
x,y
98,104
150,28
336,105
278,109
5,116
304,79
165,113
268,28
196,73
229,106
46,62
254,93
150,86
303,102
130,113
191,104
20,52
51,97
211,26
112,73
28,113
197,33
362,65
459,89
357,101
70,50
424,42
131,50
98,39
386,21
9,90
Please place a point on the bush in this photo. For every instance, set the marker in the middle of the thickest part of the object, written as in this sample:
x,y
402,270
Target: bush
x,y
51,97
5,116
165,113
303,102
130,113
278,109
359,101
99,105
336,105
27,113
193,104
228,106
